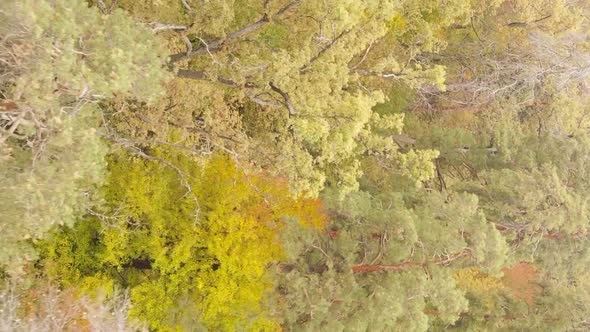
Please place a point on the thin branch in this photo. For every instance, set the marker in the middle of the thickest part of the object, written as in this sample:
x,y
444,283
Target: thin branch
x,y
524,24
364,56
187,42
162,27
256,99
208,50
186,6
475,31
394,75
324,50
285,9
101,6
183,178
285,96
322,251
113,5
359,268
10,131
201,76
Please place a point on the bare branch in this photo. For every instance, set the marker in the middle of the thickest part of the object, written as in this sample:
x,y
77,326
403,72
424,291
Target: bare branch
x,y
208,50
399,267
364,56
187,42
10,131
113,5
201,76
324,50
263,102
101,6
524,24
392,75
156,27
185,4
285,9
285,96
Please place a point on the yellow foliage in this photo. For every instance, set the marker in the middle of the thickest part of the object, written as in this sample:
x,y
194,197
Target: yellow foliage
x,y
472,279
192,242
479,284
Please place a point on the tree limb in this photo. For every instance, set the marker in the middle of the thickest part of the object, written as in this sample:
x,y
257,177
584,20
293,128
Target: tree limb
x,y
324,50
392,75
364,56
103,8
285,9
187,42
400,267
215,45
285,96
524,24
161,27
13,126
201,76
186,6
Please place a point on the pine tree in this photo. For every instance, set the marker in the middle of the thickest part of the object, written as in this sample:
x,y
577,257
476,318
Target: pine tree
x,y
59,59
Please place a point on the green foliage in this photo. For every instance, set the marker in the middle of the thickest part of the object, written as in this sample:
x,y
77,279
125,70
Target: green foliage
x,y
383,246
334,127
276,36
447,139
60,58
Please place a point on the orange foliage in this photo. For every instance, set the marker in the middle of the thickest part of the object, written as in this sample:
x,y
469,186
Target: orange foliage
x,y
521,280
277,201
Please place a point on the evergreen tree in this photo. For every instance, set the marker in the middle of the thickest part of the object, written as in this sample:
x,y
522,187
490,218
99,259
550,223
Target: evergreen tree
x,y
59,59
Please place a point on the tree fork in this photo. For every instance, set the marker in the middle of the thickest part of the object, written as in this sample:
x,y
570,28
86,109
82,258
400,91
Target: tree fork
x,y
215,45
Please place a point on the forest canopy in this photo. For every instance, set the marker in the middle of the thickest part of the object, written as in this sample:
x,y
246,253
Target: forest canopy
x,y
294,165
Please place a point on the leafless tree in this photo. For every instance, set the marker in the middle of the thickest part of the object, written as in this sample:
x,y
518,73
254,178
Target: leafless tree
x,y
523,70
56,310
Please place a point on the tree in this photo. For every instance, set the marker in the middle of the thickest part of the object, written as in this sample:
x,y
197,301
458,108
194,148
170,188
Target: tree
x,y
192,243
59,59
46,308
317,91
398,243
487,64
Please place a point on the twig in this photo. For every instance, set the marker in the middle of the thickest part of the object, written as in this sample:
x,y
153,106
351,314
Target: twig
x,y
10,131
208,50
364,56
127,144
185,4
322,251
263,102
103,8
